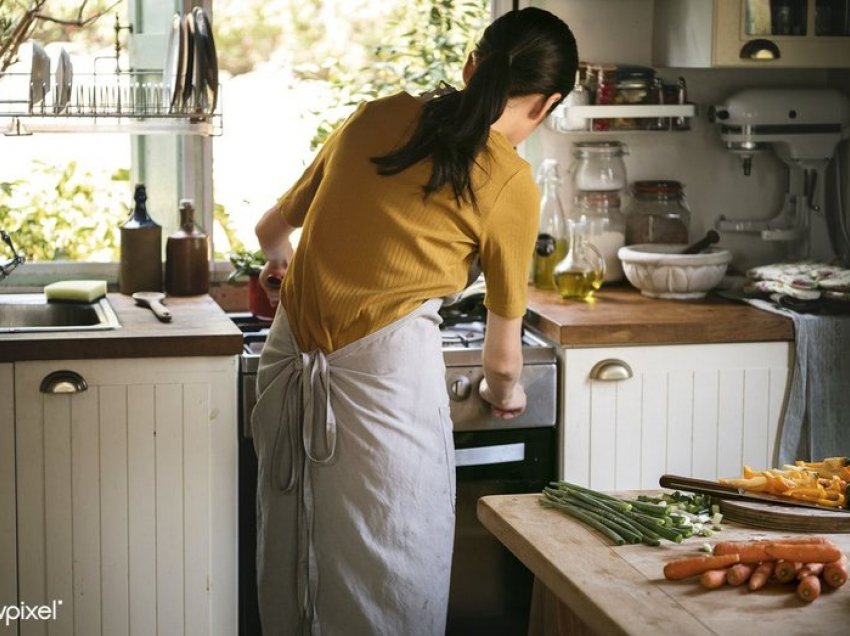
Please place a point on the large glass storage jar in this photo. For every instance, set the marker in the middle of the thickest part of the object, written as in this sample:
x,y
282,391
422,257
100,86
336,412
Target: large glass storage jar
x,y
658,213
599,165
605,227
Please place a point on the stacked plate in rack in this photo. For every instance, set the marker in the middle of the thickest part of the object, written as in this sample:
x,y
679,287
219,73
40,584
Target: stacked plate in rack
x,y
190,71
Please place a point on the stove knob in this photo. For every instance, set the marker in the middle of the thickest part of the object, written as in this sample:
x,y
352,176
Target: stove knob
x,y
460,388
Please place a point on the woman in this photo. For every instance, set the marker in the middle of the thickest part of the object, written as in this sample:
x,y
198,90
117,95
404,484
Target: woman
x,y
351,427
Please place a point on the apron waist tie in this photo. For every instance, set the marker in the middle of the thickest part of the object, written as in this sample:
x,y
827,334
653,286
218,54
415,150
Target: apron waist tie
x,y
318,436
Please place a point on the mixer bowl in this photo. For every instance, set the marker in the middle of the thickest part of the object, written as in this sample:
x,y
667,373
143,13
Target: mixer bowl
x,y
662,271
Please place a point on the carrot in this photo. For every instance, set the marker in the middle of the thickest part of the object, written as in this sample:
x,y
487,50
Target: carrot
x,y
756,551
729,547
835,573
809,588
810,569
760,575
739,573
712,579
812,553
691,566
786,571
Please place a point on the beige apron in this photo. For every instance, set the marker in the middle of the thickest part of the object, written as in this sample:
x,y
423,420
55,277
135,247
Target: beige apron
x,y
355,502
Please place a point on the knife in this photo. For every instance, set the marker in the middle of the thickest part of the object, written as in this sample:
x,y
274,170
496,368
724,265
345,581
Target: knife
x,y
726,491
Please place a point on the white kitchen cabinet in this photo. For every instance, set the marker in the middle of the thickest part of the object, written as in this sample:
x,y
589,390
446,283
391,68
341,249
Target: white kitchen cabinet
x,y
8,542
127,496
726,33
693,410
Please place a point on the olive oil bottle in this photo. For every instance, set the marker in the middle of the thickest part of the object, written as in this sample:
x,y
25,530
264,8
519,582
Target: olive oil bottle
x,y
551,246
582,270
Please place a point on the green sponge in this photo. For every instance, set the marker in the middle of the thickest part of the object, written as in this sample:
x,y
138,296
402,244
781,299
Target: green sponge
x,y
84,291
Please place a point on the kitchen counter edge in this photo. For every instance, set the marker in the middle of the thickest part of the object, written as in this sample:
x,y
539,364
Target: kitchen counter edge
x,y
620,315
199,327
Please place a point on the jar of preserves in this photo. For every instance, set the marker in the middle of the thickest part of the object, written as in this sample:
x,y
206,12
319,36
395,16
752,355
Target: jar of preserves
x,y
599,213
658,213
599,166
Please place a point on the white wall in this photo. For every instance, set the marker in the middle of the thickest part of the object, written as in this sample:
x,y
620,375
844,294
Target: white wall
x,y
620,31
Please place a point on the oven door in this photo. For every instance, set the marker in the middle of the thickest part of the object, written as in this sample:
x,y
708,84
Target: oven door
x,y
490,588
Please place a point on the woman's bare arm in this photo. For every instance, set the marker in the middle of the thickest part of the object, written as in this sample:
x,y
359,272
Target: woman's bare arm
x,y
502,366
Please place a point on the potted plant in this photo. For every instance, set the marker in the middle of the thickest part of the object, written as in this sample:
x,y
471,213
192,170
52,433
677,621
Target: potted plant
x,y
247,264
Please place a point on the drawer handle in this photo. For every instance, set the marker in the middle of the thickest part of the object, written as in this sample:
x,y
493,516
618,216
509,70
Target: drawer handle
x,y
63,382
611,370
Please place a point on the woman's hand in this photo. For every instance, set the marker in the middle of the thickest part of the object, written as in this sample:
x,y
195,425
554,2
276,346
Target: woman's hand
x,y
271,277
507,409
273,234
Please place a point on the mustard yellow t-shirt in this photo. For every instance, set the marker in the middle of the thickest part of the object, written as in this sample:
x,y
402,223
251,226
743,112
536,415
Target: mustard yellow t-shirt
x,y
373,248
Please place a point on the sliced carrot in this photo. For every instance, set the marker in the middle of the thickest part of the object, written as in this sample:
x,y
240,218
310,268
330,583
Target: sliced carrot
x,y
835,573
692,566
805,553
760,575
712,579
786,571
739,573
809,588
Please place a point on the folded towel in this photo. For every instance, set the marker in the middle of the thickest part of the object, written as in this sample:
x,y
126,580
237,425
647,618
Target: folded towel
x,y
816,423
817,417
84,291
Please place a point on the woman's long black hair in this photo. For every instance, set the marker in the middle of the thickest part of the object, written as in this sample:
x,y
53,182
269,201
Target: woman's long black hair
x,y
523,52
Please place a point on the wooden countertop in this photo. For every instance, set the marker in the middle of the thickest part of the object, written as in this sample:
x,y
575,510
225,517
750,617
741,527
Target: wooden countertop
x,y
620,315
199,327
622,590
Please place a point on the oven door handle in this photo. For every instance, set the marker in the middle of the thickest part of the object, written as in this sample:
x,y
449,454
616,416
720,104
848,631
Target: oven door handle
x,y
487,455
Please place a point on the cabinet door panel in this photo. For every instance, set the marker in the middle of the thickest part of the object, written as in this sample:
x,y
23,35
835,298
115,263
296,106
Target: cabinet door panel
x,y
135,481
8,534
699,410
114,548
141,507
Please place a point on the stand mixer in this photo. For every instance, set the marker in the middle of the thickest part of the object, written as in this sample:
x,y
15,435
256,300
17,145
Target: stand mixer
x,y
803,127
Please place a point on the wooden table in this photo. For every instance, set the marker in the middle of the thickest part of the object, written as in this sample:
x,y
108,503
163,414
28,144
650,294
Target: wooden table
x,y
607,590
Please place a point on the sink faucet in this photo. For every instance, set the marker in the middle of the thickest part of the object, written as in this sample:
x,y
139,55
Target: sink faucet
x,y
17,259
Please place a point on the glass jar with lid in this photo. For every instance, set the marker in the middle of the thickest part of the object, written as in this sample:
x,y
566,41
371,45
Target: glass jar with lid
x,y
605,226
658,213
599,166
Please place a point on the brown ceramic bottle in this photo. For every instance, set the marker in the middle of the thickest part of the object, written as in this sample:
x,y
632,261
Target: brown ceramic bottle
x,y
141,249
187,271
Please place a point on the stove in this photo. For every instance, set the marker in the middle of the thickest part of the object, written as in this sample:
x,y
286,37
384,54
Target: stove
x,y
490,589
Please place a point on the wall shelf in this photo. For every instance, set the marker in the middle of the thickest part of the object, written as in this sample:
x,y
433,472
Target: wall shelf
x,y
665,113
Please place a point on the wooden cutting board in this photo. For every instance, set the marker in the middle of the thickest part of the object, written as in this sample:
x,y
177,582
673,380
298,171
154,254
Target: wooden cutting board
x,y
791,518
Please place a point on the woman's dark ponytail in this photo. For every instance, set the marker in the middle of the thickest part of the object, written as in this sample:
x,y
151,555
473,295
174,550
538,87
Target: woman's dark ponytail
x,y
521,53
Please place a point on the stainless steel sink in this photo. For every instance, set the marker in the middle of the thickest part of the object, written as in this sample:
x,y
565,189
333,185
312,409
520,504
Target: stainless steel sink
x,y
34,313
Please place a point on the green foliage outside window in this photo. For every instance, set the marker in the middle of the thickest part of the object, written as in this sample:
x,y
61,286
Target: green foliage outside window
x,y
66,214
422,43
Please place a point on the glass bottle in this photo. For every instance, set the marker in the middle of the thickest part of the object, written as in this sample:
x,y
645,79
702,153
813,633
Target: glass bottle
x,y
658,213
551,243
582,269
141,249
606,227
606,89
599,165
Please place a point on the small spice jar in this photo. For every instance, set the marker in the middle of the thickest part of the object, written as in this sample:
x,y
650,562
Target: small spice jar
x,y
605,226
658,213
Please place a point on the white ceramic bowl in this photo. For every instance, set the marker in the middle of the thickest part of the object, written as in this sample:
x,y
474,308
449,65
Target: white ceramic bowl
x,y
662,271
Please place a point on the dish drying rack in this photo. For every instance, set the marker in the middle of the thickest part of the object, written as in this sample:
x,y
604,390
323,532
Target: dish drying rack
x,y
135,102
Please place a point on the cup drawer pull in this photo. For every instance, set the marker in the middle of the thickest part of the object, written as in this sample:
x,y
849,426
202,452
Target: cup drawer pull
x,y
63,382
611,370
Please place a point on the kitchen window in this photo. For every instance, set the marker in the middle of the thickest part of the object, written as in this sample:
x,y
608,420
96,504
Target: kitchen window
x,y
289,72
